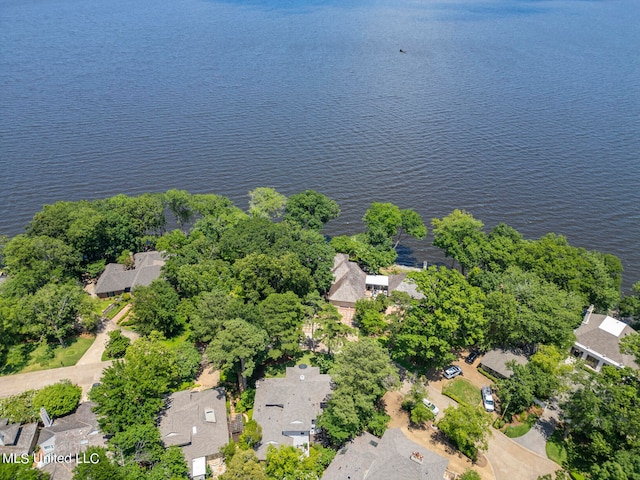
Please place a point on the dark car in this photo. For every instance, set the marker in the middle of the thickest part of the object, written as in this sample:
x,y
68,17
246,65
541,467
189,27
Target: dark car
x,y
452,371
472,356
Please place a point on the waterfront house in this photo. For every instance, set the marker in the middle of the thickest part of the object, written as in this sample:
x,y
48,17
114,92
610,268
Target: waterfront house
x,y
117,279
598,341
287,408
351,283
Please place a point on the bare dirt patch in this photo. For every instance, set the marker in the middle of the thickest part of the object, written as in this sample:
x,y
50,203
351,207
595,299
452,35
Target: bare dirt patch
x,y
432,439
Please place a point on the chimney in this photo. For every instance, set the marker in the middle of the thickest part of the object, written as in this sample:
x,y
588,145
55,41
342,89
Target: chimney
x,y
46,420
587,315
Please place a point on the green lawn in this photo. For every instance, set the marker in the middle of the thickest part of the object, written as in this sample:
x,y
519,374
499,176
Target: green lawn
x,y
462,391
279,370
518,430
46,357
556,450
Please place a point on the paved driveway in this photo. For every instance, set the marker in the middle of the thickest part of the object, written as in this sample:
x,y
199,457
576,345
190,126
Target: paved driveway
x,y
511,460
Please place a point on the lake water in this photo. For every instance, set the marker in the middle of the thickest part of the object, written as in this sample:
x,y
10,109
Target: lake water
x,y
524,112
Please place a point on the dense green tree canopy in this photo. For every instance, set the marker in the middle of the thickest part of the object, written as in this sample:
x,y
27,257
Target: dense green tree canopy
x,y
386,224
450,316
282,317
155,308
244,466
311,209
461,237
604,424
266,202
467,427
238,347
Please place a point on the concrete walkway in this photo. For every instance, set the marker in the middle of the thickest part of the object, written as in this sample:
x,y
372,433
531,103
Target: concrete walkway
x,y
85,373
536,438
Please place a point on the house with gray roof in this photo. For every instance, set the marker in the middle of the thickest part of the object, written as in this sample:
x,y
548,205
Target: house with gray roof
x,y
393,456
495,362
351,283
287,408
598,342
16,438
117,279
68,436
197,423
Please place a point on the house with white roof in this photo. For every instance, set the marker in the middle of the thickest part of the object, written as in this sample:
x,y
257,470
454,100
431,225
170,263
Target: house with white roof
x,y
598,341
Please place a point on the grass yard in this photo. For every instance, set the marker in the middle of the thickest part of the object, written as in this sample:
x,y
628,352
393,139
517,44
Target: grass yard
x,y
462,391
46,357
555,448
279,370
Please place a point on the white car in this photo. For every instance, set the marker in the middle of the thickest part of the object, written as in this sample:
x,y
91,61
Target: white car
x,y
430,406
487,399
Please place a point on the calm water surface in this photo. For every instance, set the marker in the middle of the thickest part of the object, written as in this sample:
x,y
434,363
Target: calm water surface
x,y
524,112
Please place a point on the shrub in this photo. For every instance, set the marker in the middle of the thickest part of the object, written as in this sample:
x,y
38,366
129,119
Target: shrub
x,y
246,400
59,399
251,436
117,345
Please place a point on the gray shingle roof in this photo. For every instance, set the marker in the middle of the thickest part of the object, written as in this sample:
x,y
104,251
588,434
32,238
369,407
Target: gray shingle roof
x,y
385,458
71,434
349,285
116,278
595,335
496,360
289,404
184,422
16,438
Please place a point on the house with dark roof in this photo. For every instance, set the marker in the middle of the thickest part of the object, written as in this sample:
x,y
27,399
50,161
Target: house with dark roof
x,y
197,423
393,456
117,279
67,437
16,438
351,283
287,408
495,362
598,341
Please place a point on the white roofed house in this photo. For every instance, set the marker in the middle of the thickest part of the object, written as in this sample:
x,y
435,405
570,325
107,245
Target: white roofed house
x,y
598,341
287,408
197,423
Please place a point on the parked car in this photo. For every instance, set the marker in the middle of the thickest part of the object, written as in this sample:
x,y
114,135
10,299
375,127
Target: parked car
x,y
430,406
472,356
487,399
452,371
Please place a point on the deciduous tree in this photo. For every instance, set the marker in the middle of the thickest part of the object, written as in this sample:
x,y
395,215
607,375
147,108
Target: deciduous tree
x,y
237,347
266,202
467,427
311,209
155,308
461,237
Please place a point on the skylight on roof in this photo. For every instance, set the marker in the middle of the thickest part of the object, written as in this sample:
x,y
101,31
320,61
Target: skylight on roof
x,y
612,326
